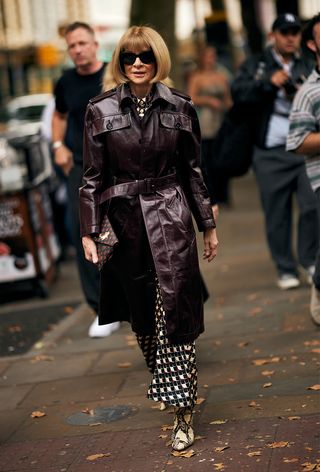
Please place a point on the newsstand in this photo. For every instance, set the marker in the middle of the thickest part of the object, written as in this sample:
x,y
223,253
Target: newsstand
x,y
29,249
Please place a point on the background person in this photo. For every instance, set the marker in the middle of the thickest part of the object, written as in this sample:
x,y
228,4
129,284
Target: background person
x,y
142,142
72,93
269,82
209,89
304,138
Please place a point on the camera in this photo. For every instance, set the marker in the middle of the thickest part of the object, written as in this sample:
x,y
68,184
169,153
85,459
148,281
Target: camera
x,y
291,86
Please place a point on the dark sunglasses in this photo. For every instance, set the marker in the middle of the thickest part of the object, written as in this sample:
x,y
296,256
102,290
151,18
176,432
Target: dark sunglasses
x,y
129,58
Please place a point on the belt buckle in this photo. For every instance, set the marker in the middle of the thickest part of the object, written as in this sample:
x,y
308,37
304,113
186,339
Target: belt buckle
x,y
149,186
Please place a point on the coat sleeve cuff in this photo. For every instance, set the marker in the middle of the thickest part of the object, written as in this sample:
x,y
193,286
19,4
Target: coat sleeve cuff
x,y
89,230
206,224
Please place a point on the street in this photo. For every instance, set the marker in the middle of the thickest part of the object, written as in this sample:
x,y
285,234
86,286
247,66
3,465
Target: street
x,y
77,404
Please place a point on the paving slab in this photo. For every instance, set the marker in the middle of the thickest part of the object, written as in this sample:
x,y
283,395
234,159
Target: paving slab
x,y
265,407
26,371
10,397
55,423
120,359
10,422
81,389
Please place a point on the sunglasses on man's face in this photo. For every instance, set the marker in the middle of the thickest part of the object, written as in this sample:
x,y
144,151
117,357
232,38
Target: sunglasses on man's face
x,y
129,58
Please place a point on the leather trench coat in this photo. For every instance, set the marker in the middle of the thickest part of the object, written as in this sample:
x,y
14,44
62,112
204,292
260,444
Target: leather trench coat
x,y
155,230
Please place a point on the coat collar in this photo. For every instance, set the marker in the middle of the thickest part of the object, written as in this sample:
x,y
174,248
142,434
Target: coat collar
x,y
161,92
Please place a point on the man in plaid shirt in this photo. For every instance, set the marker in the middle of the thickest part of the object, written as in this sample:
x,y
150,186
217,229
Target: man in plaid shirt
x,y
304,138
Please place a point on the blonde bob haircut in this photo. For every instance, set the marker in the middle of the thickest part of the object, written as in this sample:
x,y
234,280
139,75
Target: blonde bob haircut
x,y
136,39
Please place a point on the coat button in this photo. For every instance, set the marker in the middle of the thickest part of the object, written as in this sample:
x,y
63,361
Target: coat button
x,y
109,125
178,125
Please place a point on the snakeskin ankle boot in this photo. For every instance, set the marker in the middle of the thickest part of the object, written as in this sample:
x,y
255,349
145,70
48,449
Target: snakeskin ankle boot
x,y
182,434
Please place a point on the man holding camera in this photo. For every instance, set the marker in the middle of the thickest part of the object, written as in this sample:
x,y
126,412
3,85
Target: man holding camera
x,y
304,137
267,84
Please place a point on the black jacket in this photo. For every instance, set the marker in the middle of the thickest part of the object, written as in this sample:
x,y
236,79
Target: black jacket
x,y
253,91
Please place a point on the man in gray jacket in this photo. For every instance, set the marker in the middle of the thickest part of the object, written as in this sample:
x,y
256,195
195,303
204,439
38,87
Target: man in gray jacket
x,y
267,84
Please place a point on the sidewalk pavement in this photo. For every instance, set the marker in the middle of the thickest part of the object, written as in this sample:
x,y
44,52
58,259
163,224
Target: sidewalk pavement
x,y
258,406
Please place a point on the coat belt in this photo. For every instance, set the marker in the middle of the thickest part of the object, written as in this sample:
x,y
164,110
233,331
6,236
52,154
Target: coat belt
x,y
139,187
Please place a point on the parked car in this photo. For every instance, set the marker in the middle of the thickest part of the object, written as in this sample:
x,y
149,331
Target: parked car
x,y
24,112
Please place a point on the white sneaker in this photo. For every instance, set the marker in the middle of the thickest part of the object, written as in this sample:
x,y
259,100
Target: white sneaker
x,y
315,305
288,281
102,331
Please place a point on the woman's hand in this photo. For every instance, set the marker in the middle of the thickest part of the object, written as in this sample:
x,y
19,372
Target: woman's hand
x,y
90,249
210,244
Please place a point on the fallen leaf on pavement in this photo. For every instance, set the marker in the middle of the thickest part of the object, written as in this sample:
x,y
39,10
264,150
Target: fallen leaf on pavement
x,y
219,466
200,437
166,427
270,360
200,400
278,444
254,404
314,342
15,329
314,387
290,461
266,385
255,310
38,414
94,457
88,411
254,453
222,448
163,436
252,296
95,424
267,373
187,454
316,350
308,467
124,364
243,344
292,418
41,357
68,310
218,422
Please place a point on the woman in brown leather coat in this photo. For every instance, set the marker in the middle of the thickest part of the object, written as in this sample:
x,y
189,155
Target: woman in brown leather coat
x,y
142,143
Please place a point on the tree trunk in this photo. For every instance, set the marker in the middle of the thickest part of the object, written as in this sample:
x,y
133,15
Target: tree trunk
x,y
287,6
249,18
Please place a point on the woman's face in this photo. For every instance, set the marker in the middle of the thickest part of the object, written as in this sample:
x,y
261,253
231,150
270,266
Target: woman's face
x,y
208,58
139,72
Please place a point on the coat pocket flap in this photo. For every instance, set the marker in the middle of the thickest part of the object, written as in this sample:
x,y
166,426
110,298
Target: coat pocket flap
x,y
177,121
111,123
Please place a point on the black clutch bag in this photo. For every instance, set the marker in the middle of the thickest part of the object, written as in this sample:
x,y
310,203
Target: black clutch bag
x,y
105,242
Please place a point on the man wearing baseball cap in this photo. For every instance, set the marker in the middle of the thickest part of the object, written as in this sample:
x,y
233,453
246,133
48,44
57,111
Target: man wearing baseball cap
x,y
267,84
286,22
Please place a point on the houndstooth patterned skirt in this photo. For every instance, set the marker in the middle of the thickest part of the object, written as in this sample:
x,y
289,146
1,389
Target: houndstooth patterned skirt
x,y
173,366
